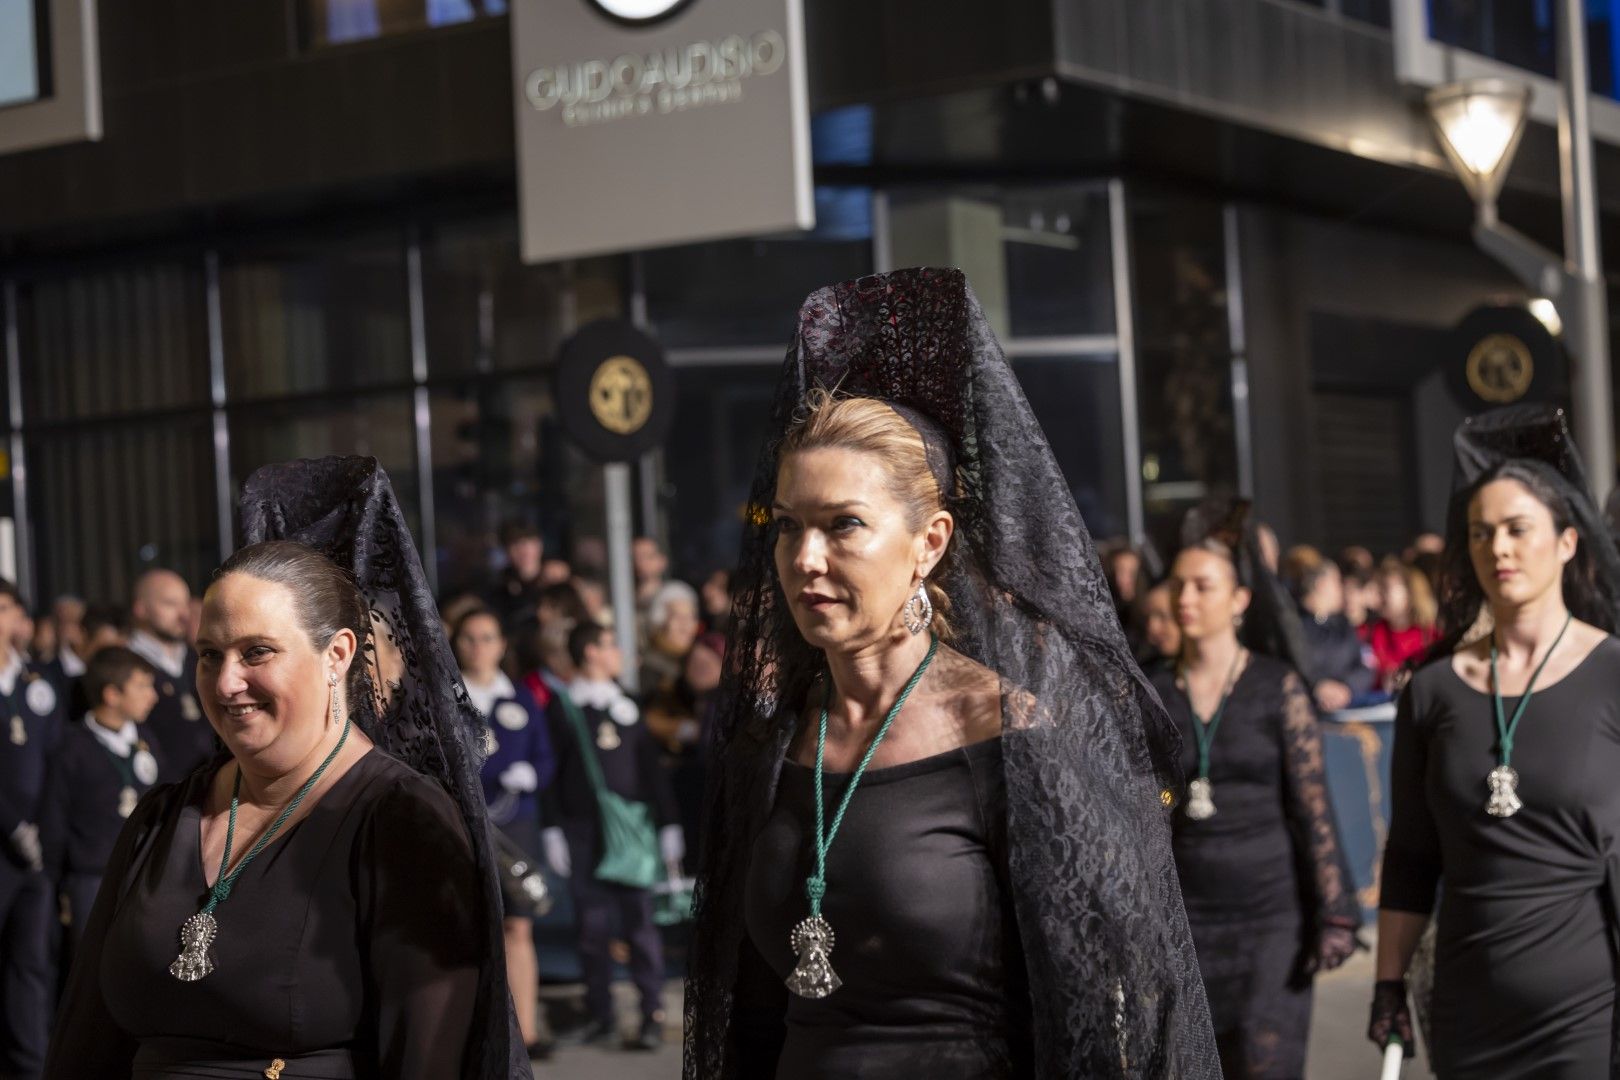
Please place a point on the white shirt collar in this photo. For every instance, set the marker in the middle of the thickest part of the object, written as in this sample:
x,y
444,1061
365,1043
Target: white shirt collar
x,y
11,673
170,659
484,697
72,666
605,695
120,742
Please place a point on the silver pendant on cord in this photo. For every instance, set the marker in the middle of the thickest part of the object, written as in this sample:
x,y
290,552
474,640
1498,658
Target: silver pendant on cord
x,y
813,977
1200,799
197,936
1504,784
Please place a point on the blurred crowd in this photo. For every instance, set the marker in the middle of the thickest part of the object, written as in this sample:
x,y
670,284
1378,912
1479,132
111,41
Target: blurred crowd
x,y
1363,615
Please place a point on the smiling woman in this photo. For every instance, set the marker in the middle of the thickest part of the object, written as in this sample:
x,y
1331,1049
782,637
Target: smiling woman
x,y
287,873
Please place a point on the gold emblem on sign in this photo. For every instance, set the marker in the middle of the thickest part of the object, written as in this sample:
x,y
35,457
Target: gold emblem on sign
x,y
621,395
1500,368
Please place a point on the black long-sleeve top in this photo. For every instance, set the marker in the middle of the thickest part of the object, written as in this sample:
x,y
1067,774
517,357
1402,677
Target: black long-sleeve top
x,y
351,942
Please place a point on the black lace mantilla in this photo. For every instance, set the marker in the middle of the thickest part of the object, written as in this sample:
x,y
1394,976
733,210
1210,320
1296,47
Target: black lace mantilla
x,y
1091,758
345,508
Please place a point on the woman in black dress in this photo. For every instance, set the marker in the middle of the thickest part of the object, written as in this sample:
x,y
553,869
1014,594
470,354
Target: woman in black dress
x,y
1260,866
1507,743
309,904
936,845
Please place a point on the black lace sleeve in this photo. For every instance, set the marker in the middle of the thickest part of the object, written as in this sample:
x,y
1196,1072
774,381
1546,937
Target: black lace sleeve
x,y
1306,803
1412,855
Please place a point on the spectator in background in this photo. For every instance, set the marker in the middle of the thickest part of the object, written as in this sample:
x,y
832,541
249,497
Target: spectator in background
x,y
1338,676
517,588
22,636
1406,621
454,607
1265,538
1356,559
593,593
651,564
716,593
555,571
42,645
672,627
104,624
1127,577
679,718
1360,596
1155,630
561,602
1424,544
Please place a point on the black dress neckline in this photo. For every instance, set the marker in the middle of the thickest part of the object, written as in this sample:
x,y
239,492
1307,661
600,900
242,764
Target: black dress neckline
x,y
191,817
906,769
1549,687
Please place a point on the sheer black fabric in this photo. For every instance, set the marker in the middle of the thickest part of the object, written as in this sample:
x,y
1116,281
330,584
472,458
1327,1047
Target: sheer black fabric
x,y
1266,874
408,697
1090,758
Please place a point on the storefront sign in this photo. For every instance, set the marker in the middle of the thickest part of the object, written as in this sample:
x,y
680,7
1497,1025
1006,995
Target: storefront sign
x,y
615,392
643,123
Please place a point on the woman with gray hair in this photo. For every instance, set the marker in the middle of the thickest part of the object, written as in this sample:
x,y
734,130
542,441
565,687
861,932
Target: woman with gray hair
x,y
672,626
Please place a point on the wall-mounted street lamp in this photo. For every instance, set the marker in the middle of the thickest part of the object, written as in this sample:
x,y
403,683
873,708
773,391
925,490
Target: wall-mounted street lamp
x,y
1479,123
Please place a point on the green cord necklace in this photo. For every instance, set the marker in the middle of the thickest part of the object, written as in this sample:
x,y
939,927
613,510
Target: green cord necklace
x,y
812,939
1200,792
1504,779
197,933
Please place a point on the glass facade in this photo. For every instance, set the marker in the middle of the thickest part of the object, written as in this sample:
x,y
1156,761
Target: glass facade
x,y
336,22
151,389
1524,33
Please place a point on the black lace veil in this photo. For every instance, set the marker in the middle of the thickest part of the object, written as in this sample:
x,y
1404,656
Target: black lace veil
x,y
1091,758
1271,624
411,703
1538,437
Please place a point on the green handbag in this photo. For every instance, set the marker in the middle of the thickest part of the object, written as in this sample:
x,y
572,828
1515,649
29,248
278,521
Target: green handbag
x,y
629,840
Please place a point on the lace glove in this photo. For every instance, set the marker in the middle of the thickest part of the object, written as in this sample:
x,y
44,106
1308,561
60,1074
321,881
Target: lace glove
x,y
1335,943
672,844
1390,1016
25,842
555,846
519,778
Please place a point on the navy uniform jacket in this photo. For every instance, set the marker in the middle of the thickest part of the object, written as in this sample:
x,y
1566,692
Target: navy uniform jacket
x,y
177,720
81,819
630,768
30,729
517,731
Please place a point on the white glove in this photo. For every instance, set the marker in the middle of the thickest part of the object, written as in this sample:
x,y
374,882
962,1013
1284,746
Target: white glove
x,y
520,778
672,843
555,846
25,841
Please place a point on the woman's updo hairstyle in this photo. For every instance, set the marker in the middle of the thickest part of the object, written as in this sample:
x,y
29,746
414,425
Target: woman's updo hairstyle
x,y
869,426
325,597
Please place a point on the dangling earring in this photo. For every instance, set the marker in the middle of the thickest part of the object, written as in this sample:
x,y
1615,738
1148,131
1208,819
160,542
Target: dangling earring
x,y
918,612
331,683
1237,621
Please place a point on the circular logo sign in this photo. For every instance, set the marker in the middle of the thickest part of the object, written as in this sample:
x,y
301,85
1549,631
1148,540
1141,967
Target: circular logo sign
x,y
1500,368
638,11
615,391
621,395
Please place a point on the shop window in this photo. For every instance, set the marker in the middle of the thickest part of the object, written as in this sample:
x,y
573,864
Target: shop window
x,y
113,341
1525,34
488,311
379,426
1039,259
335,22
112,500
498,455
1076,401
312,320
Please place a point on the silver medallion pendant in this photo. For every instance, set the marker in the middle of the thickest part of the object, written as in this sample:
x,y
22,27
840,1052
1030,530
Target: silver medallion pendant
x,y
1504,784
127,798
197,936
814,977
1200,799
